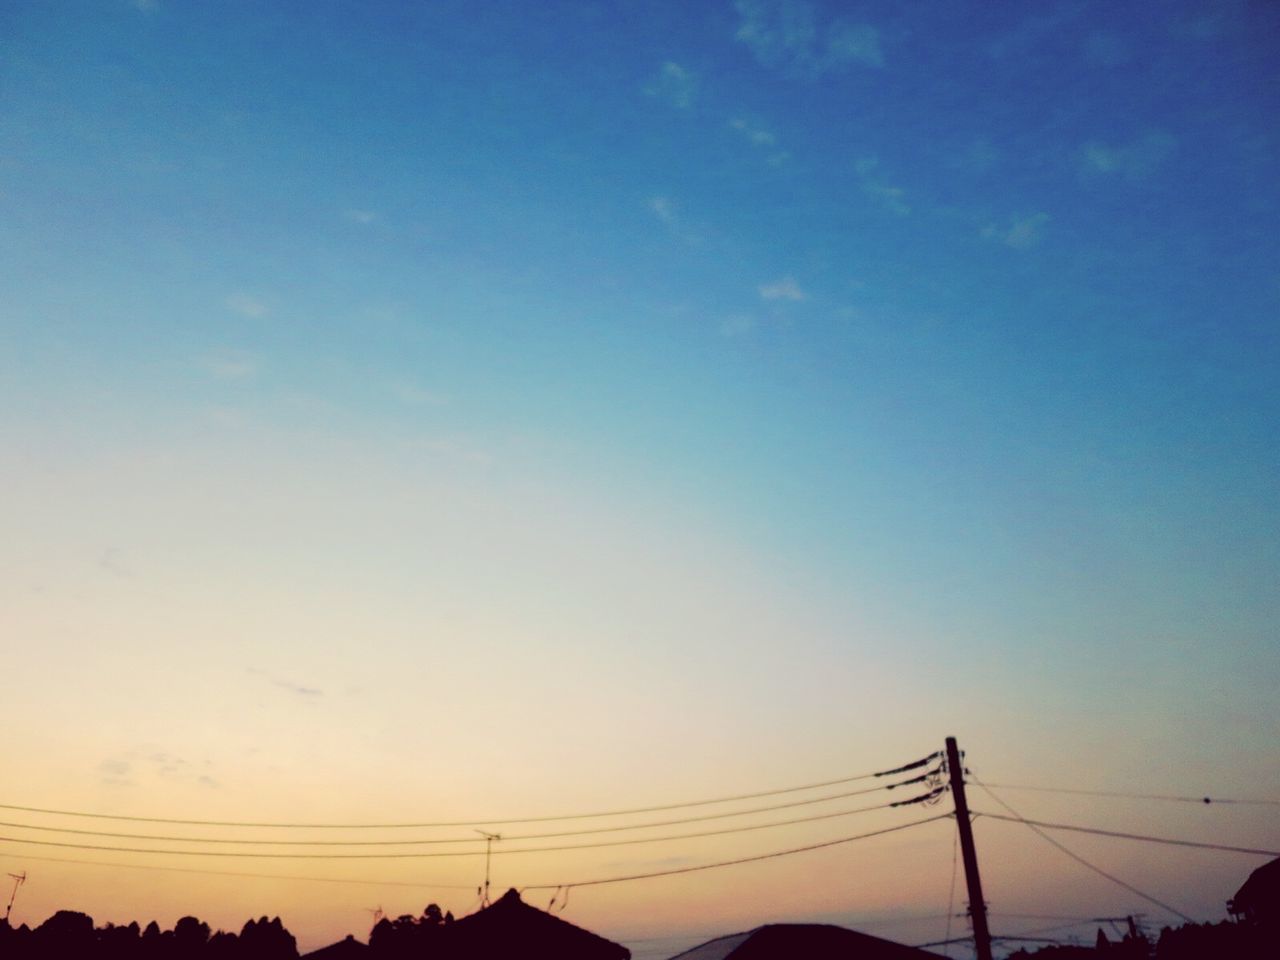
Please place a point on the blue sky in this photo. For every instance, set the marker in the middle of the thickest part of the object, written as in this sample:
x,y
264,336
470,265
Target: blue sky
x,y
786,348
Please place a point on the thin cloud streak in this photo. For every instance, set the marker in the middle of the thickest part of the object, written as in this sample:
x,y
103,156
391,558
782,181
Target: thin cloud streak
x,y
784,289
787,34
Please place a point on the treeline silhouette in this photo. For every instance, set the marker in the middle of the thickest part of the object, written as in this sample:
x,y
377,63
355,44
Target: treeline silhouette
x,y
71,934
409,936
1192,941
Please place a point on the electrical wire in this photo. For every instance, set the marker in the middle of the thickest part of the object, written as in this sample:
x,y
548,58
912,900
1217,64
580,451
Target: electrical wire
x,y
942,943
476,822
913,765
951,897
755,859
1040,916
1079,859
1135,836
1133,796
247,875
438,840
446,853
1057,928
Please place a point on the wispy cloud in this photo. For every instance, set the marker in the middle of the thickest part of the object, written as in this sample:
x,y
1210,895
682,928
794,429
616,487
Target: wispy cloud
x,y
360,216
890,196
664,209
754,132
112,562
146,6
667,211
127,769
761,138
230,364
1021,232
875,186
1134,161
286,684
673,84
784,289
246,306
415,396
167,765
116,772
849,42
789,34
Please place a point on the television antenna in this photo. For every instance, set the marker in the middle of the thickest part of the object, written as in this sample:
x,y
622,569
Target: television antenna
x,y
18,880
488,853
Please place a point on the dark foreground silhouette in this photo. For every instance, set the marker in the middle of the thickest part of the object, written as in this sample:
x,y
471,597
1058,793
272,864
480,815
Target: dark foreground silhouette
x,y
507,928
511,929
73,935
1194,941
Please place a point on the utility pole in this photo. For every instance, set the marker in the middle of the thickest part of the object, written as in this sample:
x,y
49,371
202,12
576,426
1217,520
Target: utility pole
x,y
977,906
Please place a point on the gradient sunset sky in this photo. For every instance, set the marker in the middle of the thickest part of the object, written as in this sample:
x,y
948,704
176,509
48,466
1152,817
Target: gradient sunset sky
x,y
451,411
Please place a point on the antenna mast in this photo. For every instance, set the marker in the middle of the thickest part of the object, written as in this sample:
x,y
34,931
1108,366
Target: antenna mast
x,y
488,852
18,880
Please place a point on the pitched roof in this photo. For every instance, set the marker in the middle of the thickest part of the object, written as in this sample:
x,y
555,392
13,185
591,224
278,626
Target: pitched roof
x,y
813,941
1261,892
346,949
512,928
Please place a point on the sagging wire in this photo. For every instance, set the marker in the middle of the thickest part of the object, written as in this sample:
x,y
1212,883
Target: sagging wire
x,y
481,821
928,799
1073,855
914,765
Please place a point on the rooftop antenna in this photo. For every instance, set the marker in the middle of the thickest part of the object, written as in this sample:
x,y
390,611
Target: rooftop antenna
x,y
376,913
488,853
18,880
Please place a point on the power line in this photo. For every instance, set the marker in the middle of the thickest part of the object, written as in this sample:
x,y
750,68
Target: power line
x,y
479,822
1079,859
245,874
1134,836
246,854
951,897
1134,796
438,840
730,863
1041,916
438,854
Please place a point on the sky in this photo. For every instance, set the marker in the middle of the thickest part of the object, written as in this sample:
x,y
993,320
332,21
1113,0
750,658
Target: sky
x,y
417,412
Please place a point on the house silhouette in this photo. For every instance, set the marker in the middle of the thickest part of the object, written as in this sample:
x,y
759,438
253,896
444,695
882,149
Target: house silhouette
x,y
1257,902
510,928
813,941
346,949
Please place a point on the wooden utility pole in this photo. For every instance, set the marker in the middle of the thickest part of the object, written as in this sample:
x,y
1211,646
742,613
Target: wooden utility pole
x,y
977,906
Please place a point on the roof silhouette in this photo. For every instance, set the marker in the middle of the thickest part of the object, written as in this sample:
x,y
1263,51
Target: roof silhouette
x,y
344,949
1258,900
812,941
510,928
